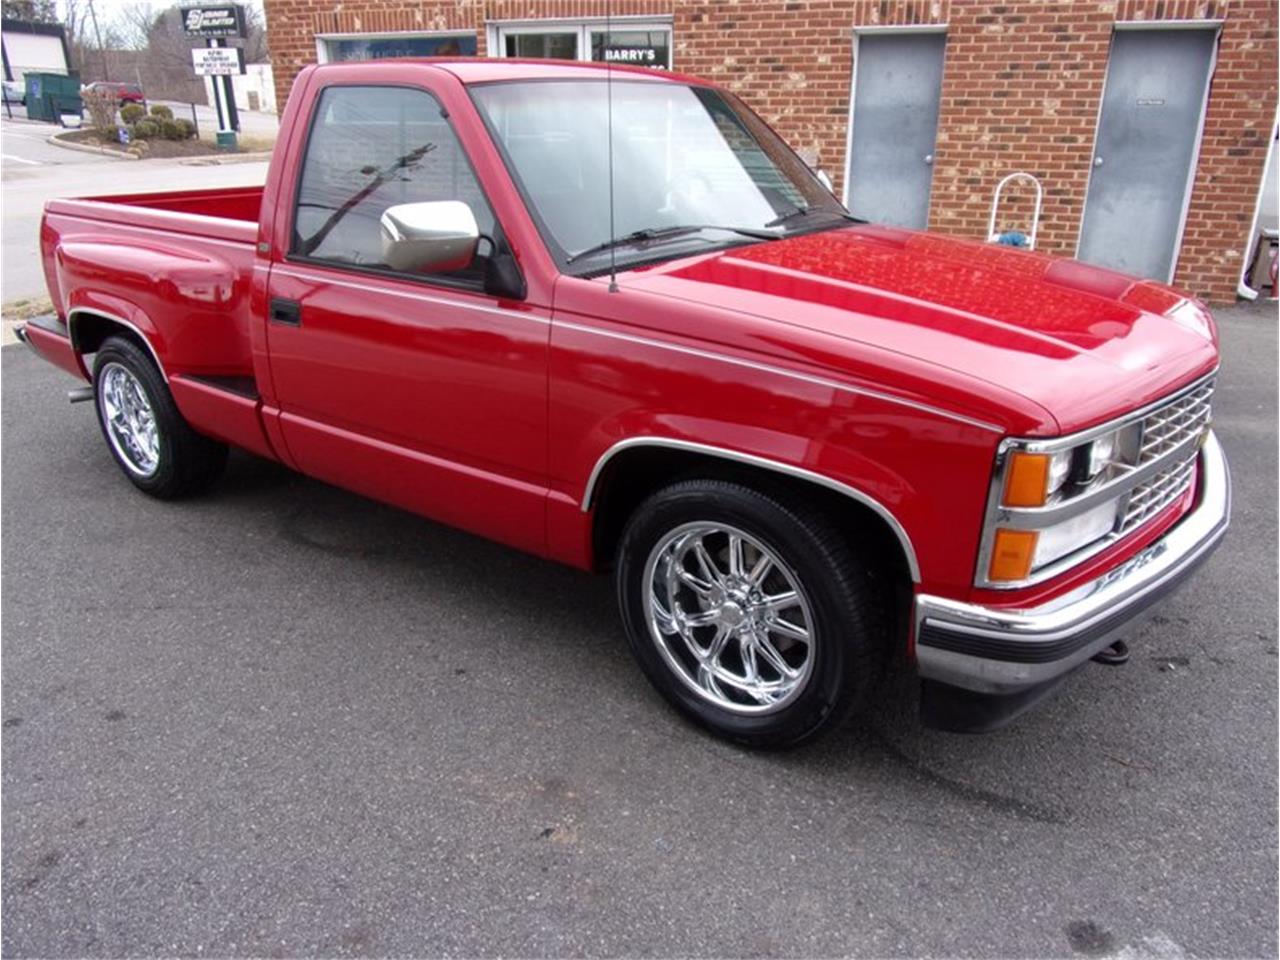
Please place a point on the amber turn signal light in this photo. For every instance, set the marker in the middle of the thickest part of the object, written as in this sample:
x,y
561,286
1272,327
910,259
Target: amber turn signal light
x,y
1011,555
1027,480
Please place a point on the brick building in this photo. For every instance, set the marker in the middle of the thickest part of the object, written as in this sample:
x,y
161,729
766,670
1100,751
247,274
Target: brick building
x,y
930,103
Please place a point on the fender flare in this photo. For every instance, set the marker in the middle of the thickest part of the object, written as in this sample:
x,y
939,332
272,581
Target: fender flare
x,y
75,312
878,508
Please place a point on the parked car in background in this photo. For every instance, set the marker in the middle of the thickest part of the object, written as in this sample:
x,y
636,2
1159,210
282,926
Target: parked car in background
x,y
125,92
15,91
802,443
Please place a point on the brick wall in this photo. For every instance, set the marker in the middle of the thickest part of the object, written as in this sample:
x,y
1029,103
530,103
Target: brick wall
x,y
1021,91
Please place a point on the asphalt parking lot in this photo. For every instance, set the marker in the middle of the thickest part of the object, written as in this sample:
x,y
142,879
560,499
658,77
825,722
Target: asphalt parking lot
x,y
284,720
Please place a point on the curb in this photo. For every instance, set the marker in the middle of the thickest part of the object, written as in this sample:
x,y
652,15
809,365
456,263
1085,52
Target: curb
x,y
214,160
86,148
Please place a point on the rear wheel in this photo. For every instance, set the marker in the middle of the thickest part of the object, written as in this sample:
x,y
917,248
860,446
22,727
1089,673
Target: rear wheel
x,y
750,614
149,439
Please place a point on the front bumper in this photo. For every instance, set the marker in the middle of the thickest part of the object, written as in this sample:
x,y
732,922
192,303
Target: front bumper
x,y
981,666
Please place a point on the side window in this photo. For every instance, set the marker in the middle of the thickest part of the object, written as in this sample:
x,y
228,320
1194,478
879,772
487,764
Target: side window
x,y
372,148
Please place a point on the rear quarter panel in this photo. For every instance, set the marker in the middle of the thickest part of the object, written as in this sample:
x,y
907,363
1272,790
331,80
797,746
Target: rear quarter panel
x,y
182,281
188,294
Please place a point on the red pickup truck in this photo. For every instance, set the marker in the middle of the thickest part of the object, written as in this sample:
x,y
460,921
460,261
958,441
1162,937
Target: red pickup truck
x,y
610,318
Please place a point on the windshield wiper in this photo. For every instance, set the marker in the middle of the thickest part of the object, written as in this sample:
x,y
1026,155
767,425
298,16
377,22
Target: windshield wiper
x,y
667,233
799,212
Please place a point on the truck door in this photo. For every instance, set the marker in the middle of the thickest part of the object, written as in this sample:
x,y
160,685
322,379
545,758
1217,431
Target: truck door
x,y
418,389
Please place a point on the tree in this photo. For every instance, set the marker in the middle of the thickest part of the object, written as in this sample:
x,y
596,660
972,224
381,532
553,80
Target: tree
x,y
33,11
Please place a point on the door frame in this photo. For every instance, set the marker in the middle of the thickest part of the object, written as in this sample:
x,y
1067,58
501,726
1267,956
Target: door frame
x,y
1134,25
1267,172
879,30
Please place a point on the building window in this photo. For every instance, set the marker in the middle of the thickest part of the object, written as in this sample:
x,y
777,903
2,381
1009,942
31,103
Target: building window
x,y
552,46
641,48
633,43
335,49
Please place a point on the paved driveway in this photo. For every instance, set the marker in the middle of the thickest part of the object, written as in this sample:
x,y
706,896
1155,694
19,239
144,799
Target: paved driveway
x,y
285,720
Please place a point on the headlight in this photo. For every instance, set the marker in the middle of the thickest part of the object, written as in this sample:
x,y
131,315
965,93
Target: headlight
x,y
1099,454
1041,482
1057,541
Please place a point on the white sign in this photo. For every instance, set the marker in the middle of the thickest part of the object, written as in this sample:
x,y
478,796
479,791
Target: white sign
x,y
221,21
218,61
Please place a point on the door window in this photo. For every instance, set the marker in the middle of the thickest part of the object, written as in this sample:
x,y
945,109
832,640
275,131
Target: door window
x,y
371,148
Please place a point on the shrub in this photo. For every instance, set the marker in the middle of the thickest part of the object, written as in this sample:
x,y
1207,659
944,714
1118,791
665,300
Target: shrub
x,y
146,129
170,130
131,113
101,105
187,127
161,111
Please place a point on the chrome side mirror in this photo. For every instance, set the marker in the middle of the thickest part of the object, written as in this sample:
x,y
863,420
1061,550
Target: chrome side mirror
x,y
431,237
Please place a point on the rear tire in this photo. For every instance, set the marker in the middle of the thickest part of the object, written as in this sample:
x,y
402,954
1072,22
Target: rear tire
x,y
751,614
147,436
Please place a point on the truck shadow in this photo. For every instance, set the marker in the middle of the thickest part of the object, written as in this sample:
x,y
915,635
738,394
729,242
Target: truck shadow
x,y
572,616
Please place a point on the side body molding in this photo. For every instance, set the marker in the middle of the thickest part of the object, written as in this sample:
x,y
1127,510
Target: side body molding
x,y
878,508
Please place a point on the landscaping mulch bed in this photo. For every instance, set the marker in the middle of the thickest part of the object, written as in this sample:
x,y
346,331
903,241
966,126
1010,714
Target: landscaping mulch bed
x,y
156,148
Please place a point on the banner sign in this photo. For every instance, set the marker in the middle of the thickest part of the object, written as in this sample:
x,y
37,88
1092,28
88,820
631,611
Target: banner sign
x,y
223,20
218,61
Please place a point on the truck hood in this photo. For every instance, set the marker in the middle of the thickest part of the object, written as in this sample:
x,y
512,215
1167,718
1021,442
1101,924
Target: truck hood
x,y
1083,343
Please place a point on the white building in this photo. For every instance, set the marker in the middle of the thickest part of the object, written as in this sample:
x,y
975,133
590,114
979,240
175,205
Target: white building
x,y
33,48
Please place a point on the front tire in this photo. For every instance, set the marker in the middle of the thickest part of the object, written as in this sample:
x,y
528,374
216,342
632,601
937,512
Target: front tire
x,y
752,615
147,436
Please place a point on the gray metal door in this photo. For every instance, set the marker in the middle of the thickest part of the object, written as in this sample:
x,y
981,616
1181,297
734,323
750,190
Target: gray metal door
x,y
1147,133
896,86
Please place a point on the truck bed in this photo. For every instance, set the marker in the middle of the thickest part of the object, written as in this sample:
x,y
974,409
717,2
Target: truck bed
x,y
229,203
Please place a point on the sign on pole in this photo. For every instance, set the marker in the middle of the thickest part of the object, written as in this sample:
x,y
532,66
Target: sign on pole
x,y
218,61
219,20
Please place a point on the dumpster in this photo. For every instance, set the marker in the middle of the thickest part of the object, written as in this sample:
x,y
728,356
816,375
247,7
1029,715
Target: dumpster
x,y
50,95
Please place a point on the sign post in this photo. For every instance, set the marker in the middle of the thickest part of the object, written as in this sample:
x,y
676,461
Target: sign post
x,y
216,24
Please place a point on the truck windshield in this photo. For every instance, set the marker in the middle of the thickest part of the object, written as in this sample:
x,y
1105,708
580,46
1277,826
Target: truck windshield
x,y
690,166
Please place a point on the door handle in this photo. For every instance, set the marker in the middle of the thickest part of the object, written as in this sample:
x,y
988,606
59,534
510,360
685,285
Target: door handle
x,y
287,312
1097,161
928,158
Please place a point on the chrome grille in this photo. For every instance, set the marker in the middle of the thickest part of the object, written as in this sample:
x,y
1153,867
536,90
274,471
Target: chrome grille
x,y
1163,432
1148,499
1171,425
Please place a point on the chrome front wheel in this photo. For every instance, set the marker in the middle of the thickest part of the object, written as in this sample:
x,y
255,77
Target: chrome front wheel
x,y
729,616
750,610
